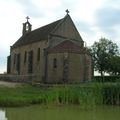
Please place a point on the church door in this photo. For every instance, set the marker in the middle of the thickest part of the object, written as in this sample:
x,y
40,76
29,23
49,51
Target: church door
x,y
30,62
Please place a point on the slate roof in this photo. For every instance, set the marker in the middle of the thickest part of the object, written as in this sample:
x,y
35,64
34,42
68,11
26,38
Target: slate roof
x,y
36,35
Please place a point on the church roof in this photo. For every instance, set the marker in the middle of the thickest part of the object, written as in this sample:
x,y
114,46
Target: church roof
x,y
36,35
68,46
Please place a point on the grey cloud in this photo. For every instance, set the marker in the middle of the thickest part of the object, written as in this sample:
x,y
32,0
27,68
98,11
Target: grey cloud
x,y
83,26
29,8
3,56
86,31
108,19
112,3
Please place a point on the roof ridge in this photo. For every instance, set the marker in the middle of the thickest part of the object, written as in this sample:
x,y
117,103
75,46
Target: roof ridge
x,y
47,24
63,19
38,34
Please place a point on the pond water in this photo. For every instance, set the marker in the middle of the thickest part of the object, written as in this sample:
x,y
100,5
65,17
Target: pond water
x,y
38,112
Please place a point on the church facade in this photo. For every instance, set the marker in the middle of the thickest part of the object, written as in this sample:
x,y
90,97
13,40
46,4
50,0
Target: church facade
x,y
55,53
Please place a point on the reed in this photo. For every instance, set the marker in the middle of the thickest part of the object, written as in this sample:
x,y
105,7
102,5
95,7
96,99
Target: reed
x,y
88,94
111,94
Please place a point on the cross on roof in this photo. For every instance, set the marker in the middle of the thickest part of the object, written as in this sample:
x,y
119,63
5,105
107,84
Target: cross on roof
x,y
67,11
27,18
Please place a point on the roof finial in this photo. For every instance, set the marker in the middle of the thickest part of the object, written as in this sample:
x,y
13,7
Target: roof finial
x,y
67,11
27,18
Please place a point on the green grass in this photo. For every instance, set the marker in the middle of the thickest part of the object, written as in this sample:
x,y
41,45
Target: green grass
x,y
87,94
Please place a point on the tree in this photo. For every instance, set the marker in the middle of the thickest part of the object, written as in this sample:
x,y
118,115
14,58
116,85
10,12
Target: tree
x,y
101,52
114,65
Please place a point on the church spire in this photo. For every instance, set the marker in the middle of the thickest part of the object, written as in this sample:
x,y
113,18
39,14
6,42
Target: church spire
x,y
26,26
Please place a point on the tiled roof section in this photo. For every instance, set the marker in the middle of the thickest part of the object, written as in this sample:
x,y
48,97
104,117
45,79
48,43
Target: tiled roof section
x,y
68,46
36,35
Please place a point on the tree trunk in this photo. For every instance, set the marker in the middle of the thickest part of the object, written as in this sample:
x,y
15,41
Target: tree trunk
x,y
102,75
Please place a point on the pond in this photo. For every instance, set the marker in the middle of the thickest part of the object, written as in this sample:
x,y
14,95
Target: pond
x,y
37,112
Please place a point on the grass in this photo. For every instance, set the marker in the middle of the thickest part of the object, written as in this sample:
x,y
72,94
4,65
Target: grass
x,y
88,94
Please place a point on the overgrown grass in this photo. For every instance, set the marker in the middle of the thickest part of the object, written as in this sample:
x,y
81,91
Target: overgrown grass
x,y
111,93
88,94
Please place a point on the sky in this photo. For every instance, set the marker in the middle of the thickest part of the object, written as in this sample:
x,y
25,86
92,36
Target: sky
x,y
93,18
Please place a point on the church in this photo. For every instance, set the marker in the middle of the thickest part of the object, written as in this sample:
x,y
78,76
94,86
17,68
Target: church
x,y
54,53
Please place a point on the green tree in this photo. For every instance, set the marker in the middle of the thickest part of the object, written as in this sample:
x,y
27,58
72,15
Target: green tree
x,y
101,52
114,65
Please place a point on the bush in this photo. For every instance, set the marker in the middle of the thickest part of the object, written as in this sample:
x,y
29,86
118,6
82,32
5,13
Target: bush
x,y
106,79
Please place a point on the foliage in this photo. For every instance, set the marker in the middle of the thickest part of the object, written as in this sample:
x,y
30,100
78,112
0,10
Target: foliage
x,y
102,51
114,65
111,94
84,95
115,78
88,94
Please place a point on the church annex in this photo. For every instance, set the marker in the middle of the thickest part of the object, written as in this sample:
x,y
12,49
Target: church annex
x,y
55,53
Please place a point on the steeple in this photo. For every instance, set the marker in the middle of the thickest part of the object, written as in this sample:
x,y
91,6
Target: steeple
x,y
27,27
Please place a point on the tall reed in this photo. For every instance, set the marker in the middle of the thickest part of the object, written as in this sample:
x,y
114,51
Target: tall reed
x,y
88,94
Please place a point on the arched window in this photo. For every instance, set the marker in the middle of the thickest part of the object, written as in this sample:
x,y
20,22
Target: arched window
x,y
38,54
54,63
25,57
14,58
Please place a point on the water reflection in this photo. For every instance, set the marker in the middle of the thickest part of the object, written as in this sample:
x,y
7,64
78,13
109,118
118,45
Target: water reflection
x,y
38,112
2,115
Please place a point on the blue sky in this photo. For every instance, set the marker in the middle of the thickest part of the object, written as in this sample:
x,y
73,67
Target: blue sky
x,y
93,18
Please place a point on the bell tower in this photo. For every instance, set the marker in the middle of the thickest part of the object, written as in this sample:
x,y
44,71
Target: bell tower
x,y
27,27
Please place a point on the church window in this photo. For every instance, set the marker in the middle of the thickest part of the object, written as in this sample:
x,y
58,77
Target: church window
x,y
25,56
54,63
14,58
38,54
18,62
30,61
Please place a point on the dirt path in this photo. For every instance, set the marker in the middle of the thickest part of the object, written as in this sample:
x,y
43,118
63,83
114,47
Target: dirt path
x,y
8,84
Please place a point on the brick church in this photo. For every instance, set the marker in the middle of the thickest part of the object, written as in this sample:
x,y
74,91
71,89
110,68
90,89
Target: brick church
x,y
55,53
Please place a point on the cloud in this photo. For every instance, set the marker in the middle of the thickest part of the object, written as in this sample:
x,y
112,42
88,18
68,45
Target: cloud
x,y
29,8
92,19
112,3
108,17
3,68
88,32
3,60
108,20
83,26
